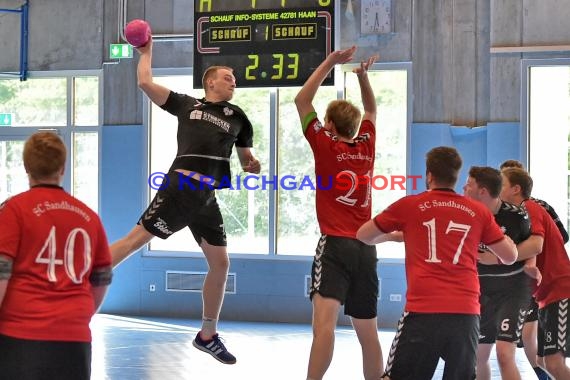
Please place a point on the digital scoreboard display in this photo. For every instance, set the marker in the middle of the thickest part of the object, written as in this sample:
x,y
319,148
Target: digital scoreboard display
x,y
267,43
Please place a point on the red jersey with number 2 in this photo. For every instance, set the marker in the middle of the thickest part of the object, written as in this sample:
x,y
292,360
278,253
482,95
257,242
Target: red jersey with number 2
x,y
55,241
342,169
442,231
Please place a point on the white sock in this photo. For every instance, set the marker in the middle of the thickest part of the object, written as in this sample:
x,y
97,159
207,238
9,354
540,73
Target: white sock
x,y
209,327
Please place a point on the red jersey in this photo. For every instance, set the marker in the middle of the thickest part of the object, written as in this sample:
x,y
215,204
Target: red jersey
x,y
55,241
553,261
343,199
442,231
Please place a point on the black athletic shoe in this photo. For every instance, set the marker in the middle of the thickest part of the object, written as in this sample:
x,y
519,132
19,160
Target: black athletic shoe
x,y
214,347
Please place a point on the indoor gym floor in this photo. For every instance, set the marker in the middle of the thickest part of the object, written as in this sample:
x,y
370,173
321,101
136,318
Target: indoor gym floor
x,y
133,348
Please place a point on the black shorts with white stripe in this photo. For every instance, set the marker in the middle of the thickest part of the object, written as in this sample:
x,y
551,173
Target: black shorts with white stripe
x,y
553,334
345,269
422,339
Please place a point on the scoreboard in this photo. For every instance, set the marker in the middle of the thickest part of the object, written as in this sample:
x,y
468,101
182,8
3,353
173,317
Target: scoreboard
x,y
268,43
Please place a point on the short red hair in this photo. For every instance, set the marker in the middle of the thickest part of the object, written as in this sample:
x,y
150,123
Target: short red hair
x,y
44,155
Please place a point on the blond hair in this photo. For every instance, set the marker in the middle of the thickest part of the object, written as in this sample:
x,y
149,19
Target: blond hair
x,y
345,116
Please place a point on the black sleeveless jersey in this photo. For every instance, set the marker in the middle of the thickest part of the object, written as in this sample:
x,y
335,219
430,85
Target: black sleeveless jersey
x,y
206,135
514,221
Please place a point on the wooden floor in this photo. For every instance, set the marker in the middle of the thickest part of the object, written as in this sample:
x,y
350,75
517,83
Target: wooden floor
x,y
129,348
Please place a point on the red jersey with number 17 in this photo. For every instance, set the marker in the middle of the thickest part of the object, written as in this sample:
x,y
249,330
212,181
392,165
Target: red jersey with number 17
x,y
55,241
442,231
341,168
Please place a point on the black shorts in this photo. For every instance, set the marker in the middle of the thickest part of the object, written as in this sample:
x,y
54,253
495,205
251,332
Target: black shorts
x,y
504,304
422,339
532,311
531,316
553,334
345,269
185,203
24,359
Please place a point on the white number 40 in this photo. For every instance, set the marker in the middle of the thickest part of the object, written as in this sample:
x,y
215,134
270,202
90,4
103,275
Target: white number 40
x,y
48,255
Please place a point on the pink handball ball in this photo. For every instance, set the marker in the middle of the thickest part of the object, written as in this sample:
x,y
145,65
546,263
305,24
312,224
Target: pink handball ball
x,y
137,32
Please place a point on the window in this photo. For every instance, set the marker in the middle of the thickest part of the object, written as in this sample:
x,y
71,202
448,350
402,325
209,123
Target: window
x,y
13,179
549,131
67,104
297,227
391,91
277,218
85,157
36,102
85,101
162,140
245,212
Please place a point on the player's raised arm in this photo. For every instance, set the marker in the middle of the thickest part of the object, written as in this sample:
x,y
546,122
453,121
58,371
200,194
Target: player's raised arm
x,y
366,92
157,94
304,99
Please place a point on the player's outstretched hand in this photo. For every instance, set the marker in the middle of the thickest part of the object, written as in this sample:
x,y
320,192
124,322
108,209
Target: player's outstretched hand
x,y
253,166
342,56
146,47
365,65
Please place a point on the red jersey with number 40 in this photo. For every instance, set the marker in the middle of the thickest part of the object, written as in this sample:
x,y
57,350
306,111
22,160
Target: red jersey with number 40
x,y
442,231
341,168
55,241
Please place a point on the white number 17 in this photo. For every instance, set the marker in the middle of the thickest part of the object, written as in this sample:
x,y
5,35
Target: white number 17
x,y
451,227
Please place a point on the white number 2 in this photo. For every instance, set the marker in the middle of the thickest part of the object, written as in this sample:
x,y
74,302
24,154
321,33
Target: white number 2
x,y
451,227
354,183
48,255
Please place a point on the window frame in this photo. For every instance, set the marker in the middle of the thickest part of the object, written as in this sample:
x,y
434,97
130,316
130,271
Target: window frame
x,y
67,131
525,109
526,65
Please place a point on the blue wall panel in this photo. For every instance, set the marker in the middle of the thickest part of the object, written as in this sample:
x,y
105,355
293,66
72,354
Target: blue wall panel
x,y
472,145
423,138
480,146
122,188
503,143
